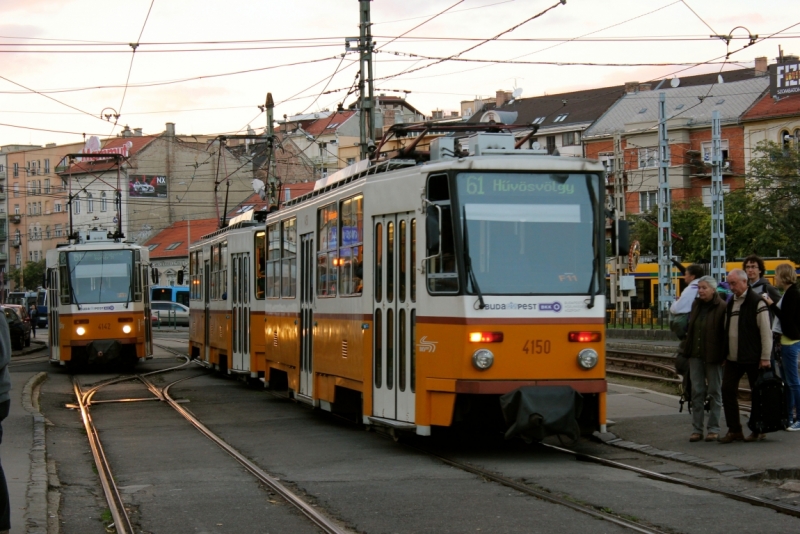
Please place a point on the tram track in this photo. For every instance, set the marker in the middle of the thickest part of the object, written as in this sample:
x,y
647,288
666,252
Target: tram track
x,y
322,522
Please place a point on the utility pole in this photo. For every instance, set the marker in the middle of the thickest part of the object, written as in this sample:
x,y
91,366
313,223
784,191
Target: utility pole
x,y
271,181
621,298
367,102
666,294
717,202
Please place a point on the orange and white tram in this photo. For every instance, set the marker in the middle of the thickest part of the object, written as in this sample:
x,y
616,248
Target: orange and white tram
x,y
418,293
99,301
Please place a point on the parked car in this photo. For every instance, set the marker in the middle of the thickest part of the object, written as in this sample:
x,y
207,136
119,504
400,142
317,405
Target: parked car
x,y
171,313
19,326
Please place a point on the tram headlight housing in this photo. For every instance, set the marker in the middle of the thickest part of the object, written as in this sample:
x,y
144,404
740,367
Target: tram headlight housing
x,y
80,330
587,358
127,329
482,359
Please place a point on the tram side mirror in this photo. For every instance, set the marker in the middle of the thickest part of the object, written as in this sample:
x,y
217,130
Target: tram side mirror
x,y
432,230
180,277
623,237
154,275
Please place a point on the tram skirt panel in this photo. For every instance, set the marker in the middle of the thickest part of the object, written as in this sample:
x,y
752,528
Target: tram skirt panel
x,y
534,412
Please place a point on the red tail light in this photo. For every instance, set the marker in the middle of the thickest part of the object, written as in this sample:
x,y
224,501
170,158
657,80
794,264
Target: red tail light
x,y
585,337
485,337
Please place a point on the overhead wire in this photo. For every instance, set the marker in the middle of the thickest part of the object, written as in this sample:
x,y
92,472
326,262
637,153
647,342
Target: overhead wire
x,y
133,46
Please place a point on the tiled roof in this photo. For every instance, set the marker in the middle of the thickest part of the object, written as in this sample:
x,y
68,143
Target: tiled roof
x,y
137,144
329,124
254,201
179,233
768,108
694,103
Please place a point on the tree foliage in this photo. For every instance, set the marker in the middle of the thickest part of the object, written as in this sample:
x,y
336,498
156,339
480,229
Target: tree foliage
x,y
30,277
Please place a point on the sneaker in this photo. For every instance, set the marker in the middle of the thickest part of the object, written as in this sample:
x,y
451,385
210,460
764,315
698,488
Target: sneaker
x,y
794,426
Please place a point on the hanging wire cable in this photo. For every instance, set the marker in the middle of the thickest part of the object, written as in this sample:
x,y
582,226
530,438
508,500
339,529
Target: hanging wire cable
x,y
420,24
134,46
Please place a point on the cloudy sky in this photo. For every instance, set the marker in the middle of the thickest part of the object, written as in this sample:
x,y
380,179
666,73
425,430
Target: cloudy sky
x,y
207,65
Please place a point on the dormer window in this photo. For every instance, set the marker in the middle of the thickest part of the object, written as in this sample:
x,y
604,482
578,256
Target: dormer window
x,y
561,117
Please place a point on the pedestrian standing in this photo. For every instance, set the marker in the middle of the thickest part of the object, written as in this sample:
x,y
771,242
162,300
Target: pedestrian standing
x,y
754,267
748,346
33,314
5,404
684,304
787,325
705,349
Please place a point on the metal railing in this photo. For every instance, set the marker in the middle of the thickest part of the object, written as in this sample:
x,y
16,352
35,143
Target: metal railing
x,y
638,318
172,319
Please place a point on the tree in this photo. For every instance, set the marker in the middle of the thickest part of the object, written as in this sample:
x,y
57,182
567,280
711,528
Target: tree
x,y
33,275
775,189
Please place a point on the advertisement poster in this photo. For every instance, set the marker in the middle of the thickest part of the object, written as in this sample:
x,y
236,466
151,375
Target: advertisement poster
x,y
147,185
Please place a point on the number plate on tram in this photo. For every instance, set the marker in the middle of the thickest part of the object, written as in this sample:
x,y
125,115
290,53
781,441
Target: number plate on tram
x,y
536,346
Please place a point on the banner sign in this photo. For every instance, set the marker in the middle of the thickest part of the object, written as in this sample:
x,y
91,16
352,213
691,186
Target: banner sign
x,y
784,79
147,185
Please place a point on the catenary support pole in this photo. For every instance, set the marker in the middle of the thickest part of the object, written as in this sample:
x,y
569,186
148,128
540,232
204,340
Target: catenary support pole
x,y
666,293
717,202
365,86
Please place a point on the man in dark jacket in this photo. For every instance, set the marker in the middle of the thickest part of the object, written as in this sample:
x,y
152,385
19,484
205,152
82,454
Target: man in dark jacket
x,y
705,349
5,404
748,347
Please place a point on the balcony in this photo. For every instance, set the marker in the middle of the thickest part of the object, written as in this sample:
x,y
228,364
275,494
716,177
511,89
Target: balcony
x,y
3,256
15,243
16,218
2,175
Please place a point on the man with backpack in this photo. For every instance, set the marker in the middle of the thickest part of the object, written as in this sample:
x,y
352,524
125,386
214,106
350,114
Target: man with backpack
x,y
749,346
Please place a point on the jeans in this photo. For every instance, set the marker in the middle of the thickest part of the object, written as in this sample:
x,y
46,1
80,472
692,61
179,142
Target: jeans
x,y
789,354
732,373
700,372
5,505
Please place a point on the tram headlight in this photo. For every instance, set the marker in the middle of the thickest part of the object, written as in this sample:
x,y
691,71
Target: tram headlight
x,y
127,329
80,330
587,358
482,359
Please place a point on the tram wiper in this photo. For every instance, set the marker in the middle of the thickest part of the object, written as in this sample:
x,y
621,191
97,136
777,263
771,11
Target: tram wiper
x,y
468,263
595,251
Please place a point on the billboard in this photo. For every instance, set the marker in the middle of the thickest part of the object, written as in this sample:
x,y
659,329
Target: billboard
x,y
147,185
784,79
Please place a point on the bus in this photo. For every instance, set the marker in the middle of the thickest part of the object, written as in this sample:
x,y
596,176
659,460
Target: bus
x,y
179,294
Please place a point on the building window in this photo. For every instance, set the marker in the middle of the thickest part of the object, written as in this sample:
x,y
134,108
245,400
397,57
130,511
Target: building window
x,y
648,158
77,204
648,200
726,188
38,208
151,247
47,185
16,172
89,203
16,185
103,201
561,117
551,144
19,259
58,230
173,246
30,255
57,207
47,166
707,146
570,138
16,209
47,232
538,120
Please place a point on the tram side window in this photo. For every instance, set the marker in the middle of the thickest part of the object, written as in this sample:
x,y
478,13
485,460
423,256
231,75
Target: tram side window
x,y
137,276
66,298
441,270
261,264
215,272
274,261
223,259
289,259
351,259
327,247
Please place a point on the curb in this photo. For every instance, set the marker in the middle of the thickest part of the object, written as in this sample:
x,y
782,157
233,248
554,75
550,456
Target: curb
x,y
722,468
29,350
36,511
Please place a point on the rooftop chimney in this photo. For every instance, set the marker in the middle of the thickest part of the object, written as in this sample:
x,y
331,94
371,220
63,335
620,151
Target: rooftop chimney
x,y
631,87
644,86
501,97
126,132
137,132
170,129
761,66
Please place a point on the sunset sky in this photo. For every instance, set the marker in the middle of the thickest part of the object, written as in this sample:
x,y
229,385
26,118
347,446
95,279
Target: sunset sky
x,y
62,62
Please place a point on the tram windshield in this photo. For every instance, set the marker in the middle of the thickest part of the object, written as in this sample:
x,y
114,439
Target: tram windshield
x,y
100,276
530,233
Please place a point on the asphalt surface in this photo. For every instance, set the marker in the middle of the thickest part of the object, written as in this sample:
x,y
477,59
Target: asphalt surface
x,y
174,480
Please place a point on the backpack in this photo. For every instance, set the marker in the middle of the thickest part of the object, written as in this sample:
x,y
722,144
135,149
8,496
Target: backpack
x,y
769,412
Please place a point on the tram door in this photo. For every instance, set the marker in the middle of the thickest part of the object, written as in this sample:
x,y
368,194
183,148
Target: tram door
x,y
394,315
52,310
241,311
307,264
206,311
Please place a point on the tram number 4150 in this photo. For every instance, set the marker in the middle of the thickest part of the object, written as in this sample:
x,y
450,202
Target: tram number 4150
x,y
536,346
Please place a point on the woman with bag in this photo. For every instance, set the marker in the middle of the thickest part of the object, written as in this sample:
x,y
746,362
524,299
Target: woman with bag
x,y
705,349
787,324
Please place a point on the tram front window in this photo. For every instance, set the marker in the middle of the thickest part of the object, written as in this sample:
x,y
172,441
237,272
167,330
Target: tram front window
x,y
530,233
100,276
